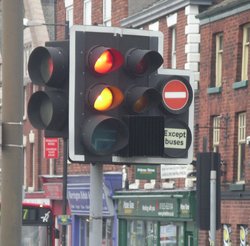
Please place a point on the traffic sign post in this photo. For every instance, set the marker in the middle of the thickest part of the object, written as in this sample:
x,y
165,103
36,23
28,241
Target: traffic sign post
x,y
178,107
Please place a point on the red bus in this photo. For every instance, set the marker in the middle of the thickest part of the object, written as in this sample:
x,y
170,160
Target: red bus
x,y
38,227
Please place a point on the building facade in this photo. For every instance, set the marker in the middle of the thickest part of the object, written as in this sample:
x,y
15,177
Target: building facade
x,y
224,110
209,38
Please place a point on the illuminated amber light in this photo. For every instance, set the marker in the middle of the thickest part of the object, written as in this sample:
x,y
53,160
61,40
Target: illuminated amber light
x,y
104,63
104,100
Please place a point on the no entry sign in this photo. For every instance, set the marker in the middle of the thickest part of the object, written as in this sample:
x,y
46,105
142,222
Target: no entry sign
x,y
51,146
176,96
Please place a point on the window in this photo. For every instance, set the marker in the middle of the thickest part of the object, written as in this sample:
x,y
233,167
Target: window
x,y
69,15
1,72
107,6
243,235
173,47
25,103
218,59
245,51
26,53
241,145
142,233
216,133
87,12
227,231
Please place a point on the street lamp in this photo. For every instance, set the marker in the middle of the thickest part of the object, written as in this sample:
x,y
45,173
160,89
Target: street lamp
x,y
32,23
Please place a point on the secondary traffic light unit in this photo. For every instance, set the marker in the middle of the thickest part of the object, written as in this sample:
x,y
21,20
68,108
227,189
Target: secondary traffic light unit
x,y
48,68
120,109
207,161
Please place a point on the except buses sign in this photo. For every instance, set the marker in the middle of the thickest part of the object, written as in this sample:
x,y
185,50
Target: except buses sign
x,y
177,138
177,96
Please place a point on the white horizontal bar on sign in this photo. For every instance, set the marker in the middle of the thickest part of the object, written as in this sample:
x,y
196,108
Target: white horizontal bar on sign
x,y
181,94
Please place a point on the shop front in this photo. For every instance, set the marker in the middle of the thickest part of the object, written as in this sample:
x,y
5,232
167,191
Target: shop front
x,y
78,194
156,218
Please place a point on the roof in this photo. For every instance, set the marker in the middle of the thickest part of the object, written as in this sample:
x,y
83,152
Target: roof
x,y
159,9
221,7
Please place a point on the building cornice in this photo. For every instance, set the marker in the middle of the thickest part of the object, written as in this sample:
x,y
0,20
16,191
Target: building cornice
x,y
222,11
159,9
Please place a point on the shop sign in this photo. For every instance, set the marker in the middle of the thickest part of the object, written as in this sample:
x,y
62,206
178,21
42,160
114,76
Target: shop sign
x,y
79,200
185,208
53,191
155,207
145,172
64,219
173,171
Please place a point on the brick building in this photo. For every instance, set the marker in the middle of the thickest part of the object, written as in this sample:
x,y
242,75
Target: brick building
x,y
214,46
224,109
181,50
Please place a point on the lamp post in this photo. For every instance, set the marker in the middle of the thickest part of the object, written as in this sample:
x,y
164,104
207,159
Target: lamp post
x,y
31,23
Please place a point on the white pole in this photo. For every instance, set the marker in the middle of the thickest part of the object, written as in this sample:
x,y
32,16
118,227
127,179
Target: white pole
x,y
213,207
95,210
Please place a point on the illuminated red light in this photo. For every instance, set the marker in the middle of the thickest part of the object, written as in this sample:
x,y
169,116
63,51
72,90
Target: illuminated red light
x,y
103,60
104,63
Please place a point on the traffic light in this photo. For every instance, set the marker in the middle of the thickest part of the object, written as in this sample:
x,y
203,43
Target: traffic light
x,y
116,113
164,136
48,68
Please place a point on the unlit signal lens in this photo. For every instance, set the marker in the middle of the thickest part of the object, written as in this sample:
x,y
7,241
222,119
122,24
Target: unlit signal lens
x,y
141,104
46,68
141,67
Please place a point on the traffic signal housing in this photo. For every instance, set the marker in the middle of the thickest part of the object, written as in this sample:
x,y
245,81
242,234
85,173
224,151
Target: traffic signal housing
x,y
115,109
48,68
207,161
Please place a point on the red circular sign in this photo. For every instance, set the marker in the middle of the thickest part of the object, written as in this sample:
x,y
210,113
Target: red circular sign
x,y
175,95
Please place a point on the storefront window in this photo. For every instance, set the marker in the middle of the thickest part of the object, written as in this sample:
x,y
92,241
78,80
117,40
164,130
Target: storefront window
x,y
146,233
171,234
151,233
227,231
136,233
107,232
243,235
142,233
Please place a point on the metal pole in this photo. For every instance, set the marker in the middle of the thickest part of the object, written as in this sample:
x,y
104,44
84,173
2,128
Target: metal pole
x,y
12,126
95,210
65,171
213,207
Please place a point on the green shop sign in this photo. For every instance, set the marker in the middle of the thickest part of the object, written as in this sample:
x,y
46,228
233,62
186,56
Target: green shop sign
x,y
153,206
145,172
